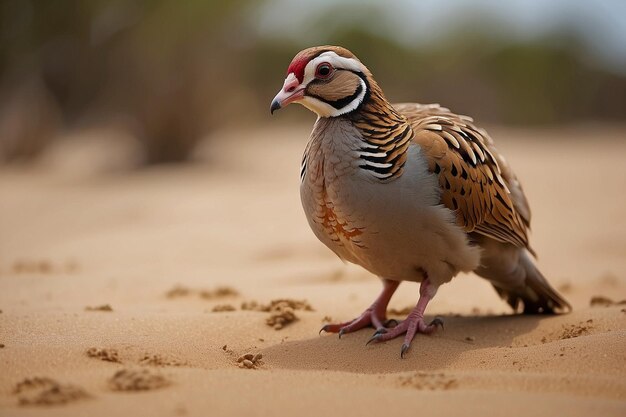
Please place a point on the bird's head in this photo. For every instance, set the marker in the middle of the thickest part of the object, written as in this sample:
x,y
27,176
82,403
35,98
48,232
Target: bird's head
x,y
328,80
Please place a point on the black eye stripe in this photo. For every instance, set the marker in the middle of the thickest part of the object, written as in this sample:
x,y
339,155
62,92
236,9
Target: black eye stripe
x,y
342,102
339,104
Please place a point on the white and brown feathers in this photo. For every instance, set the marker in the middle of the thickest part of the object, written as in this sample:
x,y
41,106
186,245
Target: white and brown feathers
x,y
475,182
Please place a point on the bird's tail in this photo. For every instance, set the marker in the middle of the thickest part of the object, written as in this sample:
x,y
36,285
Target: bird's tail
x,y
538,296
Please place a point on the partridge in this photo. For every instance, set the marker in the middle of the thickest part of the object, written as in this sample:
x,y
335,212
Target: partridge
x,y
410,192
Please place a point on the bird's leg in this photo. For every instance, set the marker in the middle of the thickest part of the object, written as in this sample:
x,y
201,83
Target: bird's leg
x,y
414,322
374,316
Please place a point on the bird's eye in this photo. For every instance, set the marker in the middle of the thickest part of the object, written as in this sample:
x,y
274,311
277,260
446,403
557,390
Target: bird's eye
x,y
323,70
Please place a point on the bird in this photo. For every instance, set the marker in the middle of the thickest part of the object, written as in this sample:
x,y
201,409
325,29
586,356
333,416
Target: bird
x,y
410,192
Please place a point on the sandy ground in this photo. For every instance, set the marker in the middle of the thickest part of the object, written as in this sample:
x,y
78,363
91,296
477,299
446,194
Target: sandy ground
x,y
109,279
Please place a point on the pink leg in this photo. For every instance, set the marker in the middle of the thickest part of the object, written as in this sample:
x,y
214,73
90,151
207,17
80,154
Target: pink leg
x,y
414,322
373,316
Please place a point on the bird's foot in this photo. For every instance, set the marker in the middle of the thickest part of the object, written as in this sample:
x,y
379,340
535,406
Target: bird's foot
x,y
373,316
370,317
413,324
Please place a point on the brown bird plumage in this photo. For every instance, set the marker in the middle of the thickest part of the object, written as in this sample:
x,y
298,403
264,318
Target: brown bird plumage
x,y
473,182
410,192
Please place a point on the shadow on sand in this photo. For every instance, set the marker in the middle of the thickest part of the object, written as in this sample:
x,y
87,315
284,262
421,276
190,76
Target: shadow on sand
x,y
350,354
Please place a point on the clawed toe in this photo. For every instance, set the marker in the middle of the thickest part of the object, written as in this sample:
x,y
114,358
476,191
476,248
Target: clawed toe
x,y
437,322
403,350
390,329
409,327
376,336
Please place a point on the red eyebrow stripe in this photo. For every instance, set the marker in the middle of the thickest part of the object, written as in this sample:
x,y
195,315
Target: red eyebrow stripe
x,y
297,68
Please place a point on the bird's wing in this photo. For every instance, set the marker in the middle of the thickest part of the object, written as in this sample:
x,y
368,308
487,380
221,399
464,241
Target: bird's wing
x,y
475,180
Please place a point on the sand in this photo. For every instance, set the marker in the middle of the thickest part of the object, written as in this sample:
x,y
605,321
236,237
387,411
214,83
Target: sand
x,y
138,292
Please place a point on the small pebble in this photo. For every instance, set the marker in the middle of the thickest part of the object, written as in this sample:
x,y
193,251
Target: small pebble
x,y
470,338
1,345
248,356
248,363
257,357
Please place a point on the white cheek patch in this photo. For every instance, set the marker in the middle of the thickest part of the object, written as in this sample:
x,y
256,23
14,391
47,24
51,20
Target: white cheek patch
x,y
324,109
317,106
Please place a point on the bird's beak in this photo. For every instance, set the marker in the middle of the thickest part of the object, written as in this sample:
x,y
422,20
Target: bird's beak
x,y
291,91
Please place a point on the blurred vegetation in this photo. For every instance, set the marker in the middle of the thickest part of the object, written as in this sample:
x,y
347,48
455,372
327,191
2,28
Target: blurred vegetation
x,y
169,72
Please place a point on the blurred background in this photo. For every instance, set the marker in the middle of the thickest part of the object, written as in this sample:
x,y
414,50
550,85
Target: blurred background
x,y
161,75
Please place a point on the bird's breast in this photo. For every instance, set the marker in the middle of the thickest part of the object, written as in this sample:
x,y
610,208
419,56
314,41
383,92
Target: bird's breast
x,y
391,228
331,190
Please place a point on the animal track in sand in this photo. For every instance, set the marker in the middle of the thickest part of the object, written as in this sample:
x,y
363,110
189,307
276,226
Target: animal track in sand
x,y
220,308
217,293
137,380
147,359
429,381
43,266
103,307
156,359
44,391
602,301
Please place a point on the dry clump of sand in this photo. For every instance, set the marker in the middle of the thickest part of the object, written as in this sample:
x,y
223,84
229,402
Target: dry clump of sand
x,y
280,317
276,304
569,331
107,355
47,391
282,311
250,360
576,330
